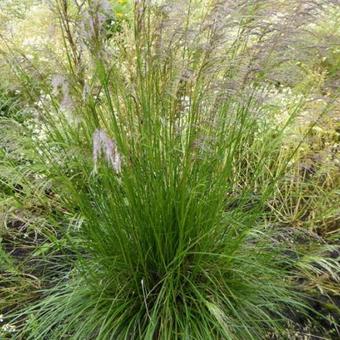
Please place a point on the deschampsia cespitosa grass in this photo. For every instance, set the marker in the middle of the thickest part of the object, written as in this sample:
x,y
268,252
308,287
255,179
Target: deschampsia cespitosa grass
x,y
158,137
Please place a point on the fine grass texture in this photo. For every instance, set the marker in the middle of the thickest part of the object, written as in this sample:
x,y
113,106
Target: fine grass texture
x,y
157,139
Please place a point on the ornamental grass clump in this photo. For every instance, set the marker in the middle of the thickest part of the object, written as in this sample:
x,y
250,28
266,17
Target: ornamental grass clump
x,y
162,118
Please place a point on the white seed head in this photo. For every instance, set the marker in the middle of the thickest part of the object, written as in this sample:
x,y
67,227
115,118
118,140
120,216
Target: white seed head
x,y
102,143
60,84
8,328
93,18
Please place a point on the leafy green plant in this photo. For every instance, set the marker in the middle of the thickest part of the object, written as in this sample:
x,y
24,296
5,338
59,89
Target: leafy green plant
x,y
156,141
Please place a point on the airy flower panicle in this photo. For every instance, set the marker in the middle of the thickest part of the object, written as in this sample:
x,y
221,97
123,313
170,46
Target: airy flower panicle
x,y
102,143
8,328
60,83
104,6
94,17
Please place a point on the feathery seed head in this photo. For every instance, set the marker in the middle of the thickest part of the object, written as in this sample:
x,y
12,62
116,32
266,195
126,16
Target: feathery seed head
x,y
102,143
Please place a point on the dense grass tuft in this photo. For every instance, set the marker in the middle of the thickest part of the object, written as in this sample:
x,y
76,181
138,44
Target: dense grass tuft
x,y
162,151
